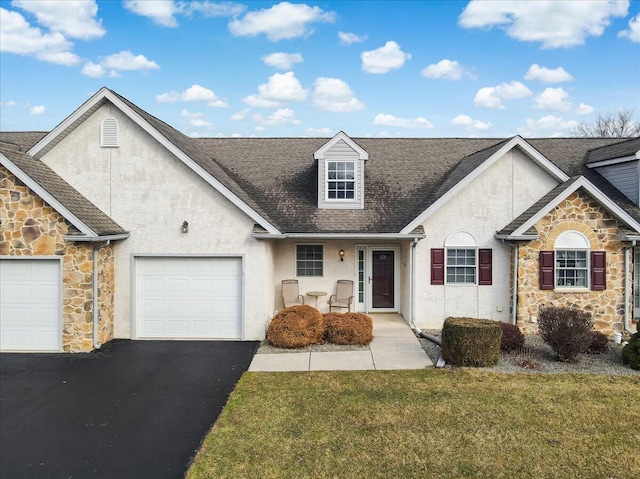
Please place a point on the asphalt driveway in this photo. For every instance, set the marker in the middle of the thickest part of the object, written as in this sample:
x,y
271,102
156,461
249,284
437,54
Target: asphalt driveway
x,y
134,409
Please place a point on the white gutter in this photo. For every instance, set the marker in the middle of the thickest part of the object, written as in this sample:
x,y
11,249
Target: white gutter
x,y
517,237
95,239
342,236
96,312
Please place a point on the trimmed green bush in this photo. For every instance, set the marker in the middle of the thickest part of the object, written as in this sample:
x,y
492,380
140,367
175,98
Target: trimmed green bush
x,y
471,342
631,351
566,330
599,343
296,327
512,337
348,328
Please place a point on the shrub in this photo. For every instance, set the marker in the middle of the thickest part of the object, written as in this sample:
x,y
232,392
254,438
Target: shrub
x,y
471,342
566,330
348,328
599,343
631,351
296,327
512,337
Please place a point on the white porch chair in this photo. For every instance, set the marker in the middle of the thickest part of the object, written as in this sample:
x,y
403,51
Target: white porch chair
x,y
290,293
343,299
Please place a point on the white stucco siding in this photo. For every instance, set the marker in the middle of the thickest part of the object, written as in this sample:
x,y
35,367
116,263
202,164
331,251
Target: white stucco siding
x,y
150,192
490,202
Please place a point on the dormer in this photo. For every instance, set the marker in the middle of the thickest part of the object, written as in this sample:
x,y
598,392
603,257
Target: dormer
x,y
341,173
620,164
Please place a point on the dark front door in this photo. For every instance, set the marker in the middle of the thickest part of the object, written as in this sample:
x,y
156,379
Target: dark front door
x,y
382,271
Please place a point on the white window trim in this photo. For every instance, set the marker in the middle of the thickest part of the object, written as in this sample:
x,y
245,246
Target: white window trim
x,y
295,259
355,181
572,241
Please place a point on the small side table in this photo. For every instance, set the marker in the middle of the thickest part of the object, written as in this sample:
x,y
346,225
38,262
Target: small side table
x,y
316,295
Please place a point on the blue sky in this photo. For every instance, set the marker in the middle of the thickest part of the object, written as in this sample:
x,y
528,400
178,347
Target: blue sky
x,y
292,69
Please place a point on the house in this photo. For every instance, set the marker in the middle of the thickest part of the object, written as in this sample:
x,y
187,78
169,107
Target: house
x,y
116,225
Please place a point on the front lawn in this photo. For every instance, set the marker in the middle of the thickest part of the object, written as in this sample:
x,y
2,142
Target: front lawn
x,y
431,423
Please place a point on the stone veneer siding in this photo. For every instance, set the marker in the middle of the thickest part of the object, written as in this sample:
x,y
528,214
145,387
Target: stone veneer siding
x,y
577,212
30,227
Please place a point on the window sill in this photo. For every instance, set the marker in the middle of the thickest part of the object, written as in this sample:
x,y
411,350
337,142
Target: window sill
x,y
571,290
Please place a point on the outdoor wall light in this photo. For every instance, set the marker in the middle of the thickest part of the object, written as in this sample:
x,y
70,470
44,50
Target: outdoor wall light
x,y
185,226
341,253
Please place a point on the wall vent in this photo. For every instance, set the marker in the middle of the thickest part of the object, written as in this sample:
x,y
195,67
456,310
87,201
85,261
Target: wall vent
x,y
109,133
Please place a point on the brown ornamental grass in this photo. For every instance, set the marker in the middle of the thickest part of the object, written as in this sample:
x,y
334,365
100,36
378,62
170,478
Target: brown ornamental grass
x,y
348,328
296,327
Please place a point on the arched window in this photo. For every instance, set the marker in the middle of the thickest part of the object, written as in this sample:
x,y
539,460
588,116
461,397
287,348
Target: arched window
x,y
572,260
461,263
109,133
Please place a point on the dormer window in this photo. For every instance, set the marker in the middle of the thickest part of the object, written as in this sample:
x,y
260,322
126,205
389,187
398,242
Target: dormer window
x,y
341,180
340,163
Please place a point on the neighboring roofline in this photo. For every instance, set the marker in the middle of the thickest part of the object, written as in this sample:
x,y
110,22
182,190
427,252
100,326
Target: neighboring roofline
x,y
341,135
509,145
614,161
341,236
581,182
78,238
105,93
44,194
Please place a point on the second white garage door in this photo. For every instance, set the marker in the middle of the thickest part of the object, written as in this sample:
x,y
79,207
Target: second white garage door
x,y
188,298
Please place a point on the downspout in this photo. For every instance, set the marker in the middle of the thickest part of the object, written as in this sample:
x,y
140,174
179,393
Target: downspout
x,y
626,322
412,318
96,312
514,300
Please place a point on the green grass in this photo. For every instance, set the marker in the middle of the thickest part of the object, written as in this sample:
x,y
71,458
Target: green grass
x,y
431,423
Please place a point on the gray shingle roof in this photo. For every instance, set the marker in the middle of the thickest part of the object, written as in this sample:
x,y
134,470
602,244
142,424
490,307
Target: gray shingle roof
x,y
55,186
624,148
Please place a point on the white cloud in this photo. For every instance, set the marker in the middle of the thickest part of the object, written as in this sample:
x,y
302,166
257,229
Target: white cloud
x,y
555,24
196,120
212,9
319,131
549,125
193,93
280,88
471,124
241,115
347,38
384,59
93,70
547,75
75,19
160,12
280,22
492,96
584,109
390,120
10,103
633,33
283,61
282,116
446,69
333,94
125,60
19,37
553,99
37,110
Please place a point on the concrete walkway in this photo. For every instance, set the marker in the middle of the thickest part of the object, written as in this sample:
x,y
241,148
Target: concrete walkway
x,y
394,346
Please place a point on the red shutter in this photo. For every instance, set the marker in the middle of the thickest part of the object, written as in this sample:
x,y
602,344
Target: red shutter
x,y
547,273
484,267
437,266
598,270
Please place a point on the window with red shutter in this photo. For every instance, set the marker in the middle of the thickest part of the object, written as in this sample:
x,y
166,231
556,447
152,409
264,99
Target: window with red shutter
x,y
547,274
437,266
485,267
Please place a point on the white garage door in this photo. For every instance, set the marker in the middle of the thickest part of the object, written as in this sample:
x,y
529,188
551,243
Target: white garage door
x,y
195,298
30,305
